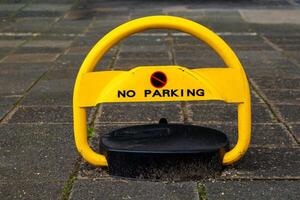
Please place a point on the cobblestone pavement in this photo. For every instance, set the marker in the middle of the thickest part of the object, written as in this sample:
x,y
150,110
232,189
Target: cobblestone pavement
x,y
42,45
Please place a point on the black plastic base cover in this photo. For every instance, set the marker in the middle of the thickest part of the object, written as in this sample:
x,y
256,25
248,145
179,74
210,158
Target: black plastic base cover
x,y
164,151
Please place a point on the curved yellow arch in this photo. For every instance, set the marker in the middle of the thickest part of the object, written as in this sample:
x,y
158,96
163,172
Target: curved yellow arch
x,y
167,22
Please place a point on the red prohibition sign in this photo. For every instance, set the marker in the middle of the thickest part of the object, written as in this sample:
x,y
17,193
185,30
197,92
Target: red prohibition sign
x,y
158,79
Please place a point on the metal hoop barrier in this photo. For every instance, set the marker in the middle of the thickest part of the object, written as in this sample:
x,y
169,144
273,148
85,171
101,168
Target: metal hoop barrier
x,y
227,84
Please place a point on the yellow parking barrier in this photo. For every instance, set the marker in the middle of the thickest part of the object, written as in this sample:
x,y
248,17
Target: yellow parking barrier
x,y
161,83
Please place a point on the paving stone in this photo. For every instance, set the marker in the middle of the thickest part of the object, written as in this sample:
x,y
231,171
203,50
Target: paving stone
x,y
262,135
290,113
9,100
78,14
275,29
47,7
139,112
26,68
288,43
188,52
78,50
11,7
257,189
266,73
144,48
69,27
69,61
43,98
54,85
30,25
31,190
48,43
143,55
267,16
266,163
263,59
47,143
13,81
44,114
147,40
87,41
36,160
294,55
126,64
296,131
127,189
3,110
278,83
287,96
198,63
42,50
235,42
227,113
30,58
10,43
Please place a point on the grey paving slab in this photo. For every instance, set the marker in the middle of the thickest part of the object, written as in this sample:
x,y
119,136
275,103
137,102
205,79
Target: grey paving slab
x,y
9,100
56,81
278,83
266,73
294,55
145,40
262,135
144,48
47,7
16,78
36,160
287,43
275,29
30,58
262,59
43,50
11,7
296,130
4,109
266,163
290,113
42,98
227,113
264,16
36,152
126,189
126,64
258,189
144,55
48,43
78,50
31,190
59,85
30,24
10,43
140,112
197,56
69,61
287,96
198,63
42,114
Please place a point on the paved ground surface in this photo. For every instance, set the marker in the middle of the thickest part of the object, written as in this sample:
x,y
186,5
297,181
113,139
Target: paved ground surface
x,y
42,46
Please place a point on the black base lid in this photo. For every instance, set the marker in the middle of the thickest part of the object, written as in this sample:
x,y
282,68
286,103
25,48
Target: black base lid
x,y
167,151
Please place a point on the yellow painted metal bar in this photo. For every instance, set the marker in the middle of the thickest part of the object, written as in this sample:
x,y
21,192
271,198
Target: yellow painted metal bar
x,y
182,85
212,83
